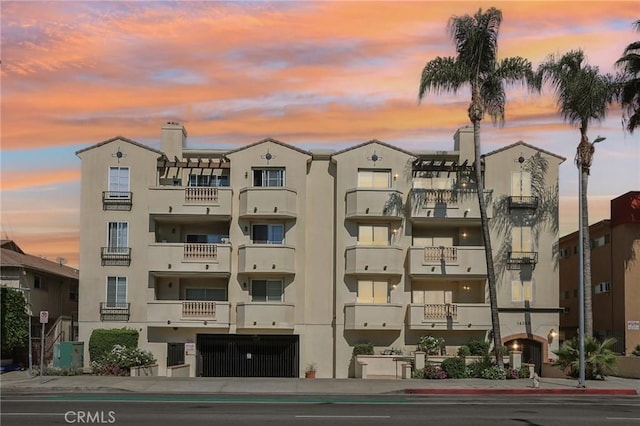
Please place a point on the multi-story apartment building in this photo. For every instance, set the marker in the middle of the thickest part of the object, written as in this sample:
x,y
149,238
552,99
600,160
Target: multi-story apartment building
x,y
261,260
615,276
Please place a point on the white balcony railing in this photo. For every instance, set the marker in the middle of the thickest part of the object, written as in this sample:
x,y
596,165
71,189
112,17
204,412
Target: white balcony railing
x,y
200,251
436,254
200,193
198,309
440,311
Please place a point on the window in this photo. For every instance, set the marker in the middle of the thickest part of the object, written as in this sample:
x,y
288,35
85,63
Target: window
x,y
118,236
208,180
268,177
205,238
373,235
521,184
373,291
374,178
432,297
73,294
267,234
603,287
521,291
119,179
40,284
600,241
116,292
266,291
521,239
564,253
216,294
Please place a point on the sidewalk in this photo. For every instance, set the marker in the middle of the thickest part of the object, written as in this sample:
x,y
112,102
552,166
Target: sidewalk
x,y
19,382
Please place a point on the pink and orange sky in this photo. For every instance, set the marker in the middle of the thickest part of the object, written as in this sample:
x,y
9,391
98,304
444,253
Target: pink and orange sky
x,y
312,74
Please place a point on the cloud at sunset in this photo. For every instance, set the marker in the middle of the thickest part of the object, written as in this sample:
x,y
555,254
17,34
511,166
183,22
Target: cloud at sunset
x,y
313,74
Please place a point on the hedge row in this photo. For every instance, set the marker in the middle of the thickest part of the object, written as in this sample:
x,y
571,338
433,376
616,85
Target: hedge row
x,y
103,340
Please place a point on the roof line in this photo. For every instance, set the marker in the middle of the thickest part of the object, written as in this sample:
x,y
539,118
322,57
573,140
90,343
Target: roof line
x,y
116,138
527,145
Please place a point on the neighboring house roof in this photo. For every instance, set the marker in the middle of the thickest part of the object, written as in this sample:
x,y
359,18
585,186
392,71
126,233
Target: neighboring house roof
x,y
17,259
11,245
277,142
520,143
379,143
119,138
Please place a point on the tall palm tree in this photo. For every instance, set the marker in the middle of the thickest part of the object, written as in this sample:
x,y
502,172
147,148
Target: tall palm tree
x,y
583,95
629,63
476,66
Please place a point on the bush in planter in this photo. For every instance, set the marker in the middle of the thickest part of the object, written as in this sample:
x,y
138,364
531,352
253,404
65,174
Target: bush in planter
x,y
494,373
636,351
455,368
513,373
524,372
478,347
464,351
363,349
429,372
103,340
120,359
431,345
600,360
476,368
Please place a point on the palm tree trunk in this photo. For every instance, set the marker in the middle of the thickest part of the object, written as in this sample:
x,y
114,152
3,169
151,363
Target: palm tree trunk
x,y
586,257
491,276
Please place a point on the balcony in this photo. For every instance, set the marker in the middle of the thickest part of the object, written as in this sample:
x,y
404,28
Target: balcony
x,y
517,259
190,257
373,316
450,316
381,260
190,200
261,315
446,204
523,202
115,256
372,203
117,200
114,311
188,313
268,202
266,259
457,261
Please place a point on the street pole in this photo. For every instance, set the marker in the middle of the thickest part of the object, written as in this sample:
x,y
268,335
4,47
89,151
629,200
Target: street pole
x,y
581,378
41,352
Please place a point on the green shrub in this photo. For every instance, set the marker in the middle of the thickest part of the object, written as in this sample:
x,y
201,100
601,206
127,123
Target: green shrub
x,y
636,351
431,345
505,350
55,371
363,349
476,368
103,340
464,350
429,372
455,368
120,359
524,372
494,373
600,360
478,347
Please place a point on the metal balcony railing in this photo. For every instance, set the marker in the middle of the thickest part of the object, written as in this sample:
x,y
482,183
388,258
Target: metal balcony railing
x,y
523,202
200,194
439,254
198,309
440,311
116,256
117,200
114,311
518,258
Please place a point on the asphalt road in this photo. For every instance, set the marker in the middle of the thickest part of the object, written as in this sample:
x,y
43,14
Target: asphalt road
x,y
300,410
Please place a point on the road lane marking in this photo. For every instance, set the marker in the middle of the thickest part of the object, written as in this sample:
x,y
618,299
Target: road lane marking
x,y
624,418
342,417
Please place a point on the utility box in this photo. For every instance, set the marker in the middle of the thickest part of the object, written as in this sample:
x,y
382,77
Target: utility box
x,y
68,354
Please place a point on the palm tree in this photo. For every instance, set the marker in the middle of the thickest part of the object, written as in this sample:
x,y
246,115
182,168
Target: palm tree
x,y
582,95
600,360
629,63
476,65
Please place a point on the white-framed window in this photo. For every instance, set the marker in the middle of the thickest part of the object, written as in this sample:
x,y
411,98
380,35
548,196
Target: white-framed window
x,y
273,177
117,236
374,178
116,292
603,287
266,291
600,241
521,291
432,297
521,239
216,294
373,235
208,180
271,233
371,291
119,179
521,184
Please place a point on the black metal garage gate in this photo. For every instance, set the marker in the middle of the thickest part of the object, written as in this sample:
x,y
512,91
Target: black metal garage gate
x,y
247,356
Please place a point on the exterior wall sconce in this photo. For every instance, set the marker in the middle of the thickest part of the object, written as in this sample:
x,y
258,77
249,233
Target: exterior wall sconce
x,y
170,209
170,284
395,177
246,175
552,335
515,346
246,228
207,210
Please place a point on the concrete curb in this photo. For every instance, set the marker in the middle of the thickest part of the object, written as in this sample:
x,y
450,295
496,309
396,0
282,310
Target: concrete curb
x,y
529,391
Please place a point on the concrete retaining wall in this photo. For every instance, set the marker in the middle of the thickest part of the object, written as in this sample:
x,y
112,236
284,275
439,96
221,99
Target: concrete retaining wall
x,y
178,370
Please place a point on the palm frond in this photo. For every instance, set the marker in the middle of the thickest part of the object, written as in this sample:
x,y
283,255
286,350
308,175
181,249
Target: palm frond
x,y
441,74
